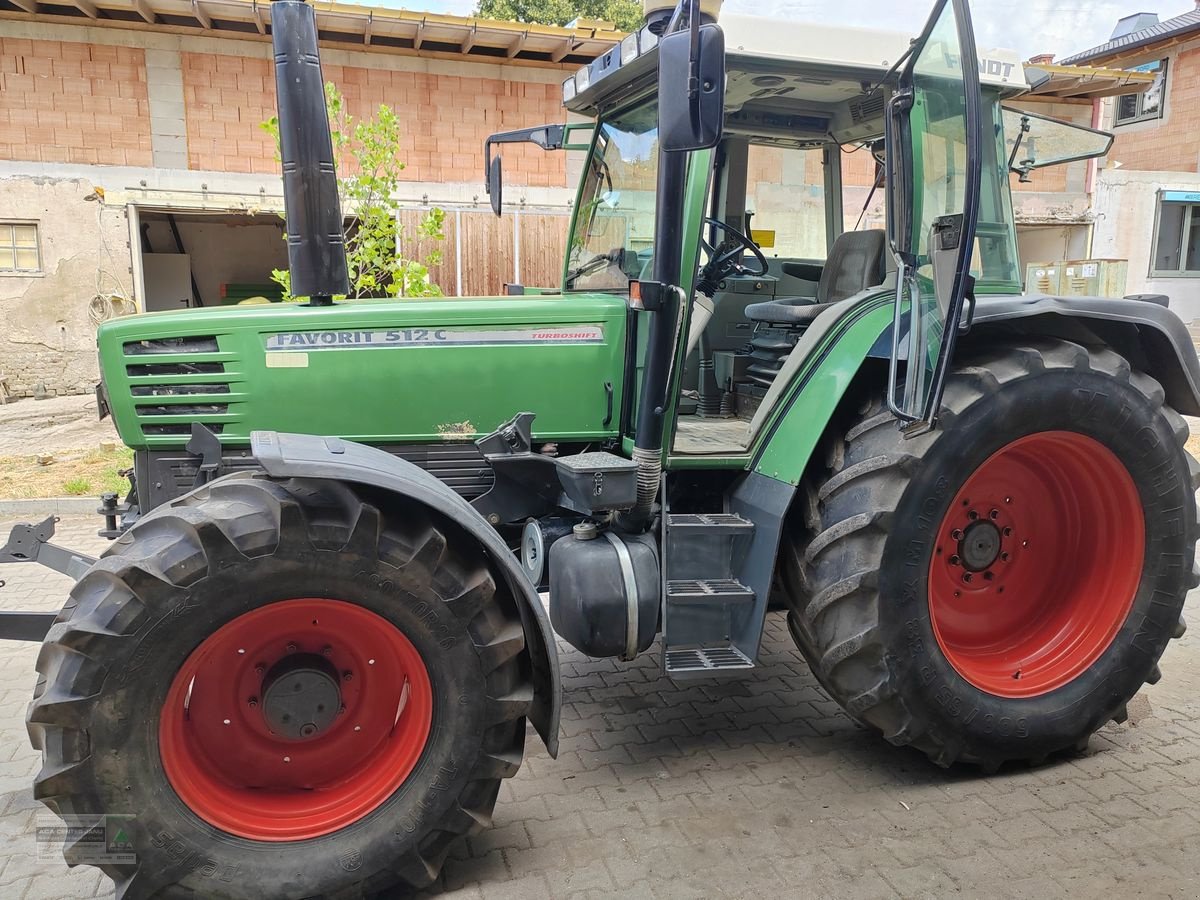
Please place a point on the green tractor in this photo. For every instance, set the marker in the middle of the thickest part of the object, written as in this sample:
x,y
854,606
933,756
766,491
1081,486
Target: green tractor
x,y
309,657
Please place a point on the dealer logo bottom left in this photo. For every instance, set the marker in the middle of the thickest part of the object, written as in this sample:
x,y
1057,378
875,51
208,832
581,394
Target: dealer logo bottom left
x,y
93,840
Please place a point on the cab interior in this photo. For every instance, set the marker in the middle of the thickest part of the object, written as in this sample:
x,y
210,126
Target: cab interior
x,y
798,173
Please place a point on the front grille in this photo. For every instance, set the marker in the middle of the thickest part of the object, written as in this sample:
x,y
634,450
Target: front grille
x,y
177,390
185,409
171,346
197,368
181,430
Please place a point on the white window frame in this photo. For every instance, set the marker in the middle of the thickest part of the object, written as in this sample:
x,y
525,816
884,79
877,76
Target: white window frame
x,y
8,240
1191,214
1164,66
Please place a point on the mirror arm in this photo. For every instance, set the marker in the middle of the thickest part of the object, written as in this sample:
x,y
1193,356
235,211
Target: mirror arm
x,y
548,137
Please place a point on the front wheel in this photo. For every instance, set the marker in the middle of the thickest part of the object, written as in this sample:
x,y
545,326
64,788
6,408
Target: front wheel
x,y
281,690
1000,588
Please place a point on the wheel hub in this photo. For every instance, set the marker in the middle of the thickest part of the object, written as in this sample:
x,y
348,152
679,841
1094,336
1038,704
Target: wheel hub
x,y
1036,564
295,719
301,697
980,546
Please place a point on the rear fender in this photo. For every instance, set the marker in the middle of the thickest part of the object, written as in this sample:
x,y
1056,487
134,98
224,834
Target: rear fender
x,y
309,456
1151,336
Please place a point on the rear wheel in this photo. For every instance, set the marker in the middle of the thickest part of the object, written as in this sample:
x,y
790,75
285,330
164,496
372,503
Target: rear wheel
x,y
999,588
282,689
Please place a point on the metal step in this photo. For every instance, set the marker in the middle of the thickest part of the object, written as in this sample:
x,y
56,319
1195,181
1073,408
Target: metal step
x,y
710,523
696,592
706,660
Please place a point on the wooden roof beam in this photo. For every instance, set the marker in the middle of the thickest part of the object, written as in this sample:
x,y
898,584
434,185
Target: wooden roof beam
x,y
369,29
29,6
518,45
468,43
144,10
258,18
201,16
419,35
565,49
87,8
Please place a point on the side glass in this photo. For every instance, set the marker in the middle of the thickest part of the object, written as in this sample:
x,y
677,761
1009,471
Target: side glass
x,y
934,234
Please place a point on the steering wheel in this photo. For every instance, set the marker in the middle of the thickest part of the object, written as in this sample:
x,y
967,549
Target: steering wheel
x,y
728,258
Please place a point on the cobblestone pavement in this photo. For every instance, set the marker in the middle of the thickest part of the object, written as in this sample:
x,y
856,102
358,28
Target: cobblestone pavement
x,y
754,788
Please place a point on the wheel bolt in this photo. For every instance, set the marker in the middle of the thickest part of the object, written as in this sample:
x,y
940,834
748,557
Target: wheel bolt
x,y
327,650
252,702
1004,557
968,577
260,669
291,648
957,534
995,514
1008,532
954,560
972,515
347,676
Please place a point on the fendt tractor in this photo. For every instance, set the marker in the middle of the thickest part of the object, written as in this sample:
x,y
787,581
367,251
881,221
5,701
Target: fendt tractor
x,y
309,657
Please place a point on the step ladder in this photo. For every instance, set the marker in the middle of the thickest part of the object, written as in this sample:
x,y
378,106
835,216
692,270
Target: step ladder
x,y
708,613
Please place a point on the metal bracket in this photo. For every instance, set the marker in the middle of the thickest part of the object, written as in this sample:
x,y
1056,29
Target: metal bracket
x,y
31,544
206,445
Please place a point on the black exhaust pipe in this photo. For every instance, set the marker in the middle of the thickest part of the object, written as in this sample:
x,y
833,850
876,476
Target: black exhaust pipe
x,y
315,236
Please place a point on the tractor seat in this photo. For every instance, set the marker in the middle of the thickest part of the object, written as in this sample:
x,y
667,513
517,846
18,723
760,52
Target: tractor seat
x,y
855,263
798,312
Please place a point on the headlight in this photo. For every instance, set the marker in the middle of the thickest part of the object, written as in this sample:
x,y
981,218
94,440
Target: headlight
x,y
569,89
629,49
583,80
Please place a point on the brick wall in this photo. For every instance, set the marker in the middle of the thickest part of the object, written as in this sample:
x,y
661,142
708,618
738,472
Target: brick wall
x,y
445,118
1169,145
62,101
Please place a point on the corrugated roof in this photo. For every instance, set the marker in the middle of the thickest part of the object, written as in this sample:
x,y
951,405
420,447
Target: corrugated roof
x,y
1171,28
344,23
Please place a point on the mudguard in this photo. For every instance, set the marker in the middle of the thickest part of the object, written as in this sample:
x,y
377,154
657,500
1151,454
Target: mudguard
x,y
309,456
1169,353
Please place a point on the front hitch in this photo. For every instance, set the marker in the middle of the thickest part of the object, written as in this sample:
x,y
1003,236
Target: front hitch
x,y
31,544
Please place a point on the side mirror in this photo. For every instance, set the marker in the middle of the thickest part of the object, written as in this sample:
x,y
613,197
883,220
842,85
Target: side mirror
x,y
691,96
495,185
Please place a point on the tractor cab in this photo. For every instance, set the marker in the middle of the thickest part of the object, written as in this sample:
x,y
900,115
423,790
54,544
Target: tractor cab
x,y
785,217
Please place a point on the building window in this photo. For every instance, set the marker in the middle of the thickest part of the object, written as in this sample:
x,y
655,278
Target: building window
x,y
1177,244
19,247
1149,105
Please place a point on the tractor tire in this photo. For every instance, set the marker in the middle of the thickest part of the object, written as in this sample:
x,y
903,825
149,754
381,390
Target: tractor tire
x,y
165,704
999,588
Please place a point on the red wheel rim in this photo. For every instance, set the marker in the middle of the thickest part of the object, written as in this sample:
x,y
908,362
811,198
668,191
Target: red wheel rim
x,y
1036,564
235,770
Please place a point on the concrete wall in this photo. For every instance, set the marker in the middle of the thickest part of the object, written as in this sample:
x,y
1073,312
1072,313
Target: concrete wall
x,y
1126,204
48,321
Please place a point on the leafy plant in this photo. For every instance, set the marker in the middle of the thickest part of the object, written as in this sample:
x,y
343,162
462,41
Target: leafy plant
x,y
367,150
627,14
77,487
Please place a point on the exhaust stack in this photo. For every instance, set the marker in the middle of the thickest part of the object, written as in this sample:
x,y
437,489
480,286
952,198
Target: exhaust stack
x,y
315,237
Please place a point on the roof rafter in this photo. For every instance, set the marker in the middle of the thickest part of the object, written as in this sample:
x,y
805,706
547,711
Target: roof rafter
x,y
201,16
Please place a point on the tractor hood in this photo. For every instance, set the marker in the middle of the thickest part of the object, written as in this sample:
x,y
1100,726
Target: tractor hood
x,y
377,372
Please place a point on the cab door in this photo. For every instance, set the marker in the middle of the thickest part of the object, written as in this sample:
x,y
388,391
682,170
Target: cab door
x,y
934,143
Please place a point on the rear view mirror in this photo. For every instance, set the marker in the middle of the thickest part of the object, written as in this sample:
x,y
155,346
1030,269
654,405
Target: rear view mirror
x,y
691,104
495,185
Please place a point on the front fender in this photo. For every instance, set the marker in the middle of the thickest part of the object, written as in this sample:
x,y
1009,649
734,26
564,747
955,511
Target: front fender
x,y
309,456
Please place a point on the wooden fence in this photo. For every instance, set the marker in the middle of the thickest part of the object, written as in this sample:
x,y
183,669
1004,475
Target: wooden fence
x,y
482,253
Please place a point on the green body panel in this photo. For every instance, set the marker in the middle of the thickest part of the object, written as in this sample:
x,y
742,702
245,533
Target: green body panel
x,y
786,443
388,373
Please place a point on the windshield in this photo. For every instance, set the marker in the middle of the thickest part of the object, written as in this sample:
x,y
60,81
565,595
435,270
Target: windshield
x,y
614,228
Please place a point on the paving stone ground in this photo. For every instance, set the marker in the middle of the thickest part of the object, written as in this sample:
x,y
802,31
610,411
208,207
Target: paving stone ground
x,y
753,788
